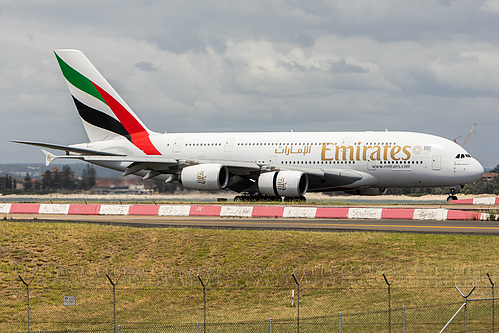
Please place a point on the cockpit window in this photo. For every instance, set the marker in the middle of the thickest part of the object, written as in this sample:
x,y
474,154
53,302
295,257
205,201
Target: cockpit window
x,y
459,156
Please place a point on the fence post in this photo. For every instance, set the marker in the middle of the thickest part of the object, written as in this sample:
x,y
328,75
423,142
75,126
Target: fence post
x,y
389,284
340,321
204,303
493,319
270,325
297,302
114,283
403,319
27,294
465,306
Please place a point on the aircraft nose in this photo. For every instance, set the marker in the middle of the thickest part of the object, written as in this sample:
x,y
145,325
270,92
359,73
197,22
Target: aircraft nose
x,y
475,170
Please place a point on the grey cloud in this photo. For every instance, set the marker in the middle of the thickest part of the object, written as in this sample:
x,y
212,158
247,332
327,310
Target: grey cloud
x,y
146,66
260,65
343,67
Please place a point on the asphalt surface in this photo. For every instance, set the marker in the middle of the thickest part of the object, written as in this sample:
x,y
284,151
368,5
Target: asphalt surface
x,y
335,225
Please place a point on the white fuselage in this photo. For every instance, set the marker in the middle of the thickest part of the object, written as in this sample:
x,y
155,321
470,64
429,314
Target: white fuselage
x,y
384,159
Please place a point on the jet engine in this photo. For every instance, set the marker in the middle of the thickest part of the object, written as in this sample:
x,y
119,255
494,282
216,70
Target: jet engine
x,y
205,177
370,191
283,183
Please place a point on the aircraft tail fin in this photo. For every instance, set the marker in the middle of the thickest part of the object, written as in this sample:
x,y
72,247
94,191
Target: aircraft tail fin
x,y
104,114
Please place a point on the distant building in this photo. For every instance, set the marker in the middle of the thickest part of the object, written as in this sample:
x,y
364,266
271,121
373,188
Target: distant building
x,y
121,186
489,175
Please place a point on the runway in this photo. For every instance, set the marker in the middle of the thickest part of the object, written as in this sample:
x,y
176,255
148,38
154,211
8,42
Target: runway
x,y
302,224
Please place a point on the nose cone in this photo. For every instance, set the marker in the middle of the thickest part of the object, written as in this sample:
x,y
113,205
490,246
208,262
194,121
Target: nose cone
x,y
475,171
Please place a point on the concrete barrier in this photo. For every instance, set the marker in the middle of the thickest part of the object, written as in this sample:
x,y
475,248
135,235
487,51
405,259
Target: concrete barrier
x,y
205,210
114,209
299,212
174,210
365,213
19,208
460,215
236,211
477,201
332,212
438,214
144,210
245,211
5,208
84,210
397,213
61,209
268,211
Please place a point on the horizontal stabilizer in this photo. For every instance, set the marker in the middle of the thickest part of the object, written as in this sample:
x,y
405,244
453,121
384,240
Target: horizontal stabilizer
x,y
82,151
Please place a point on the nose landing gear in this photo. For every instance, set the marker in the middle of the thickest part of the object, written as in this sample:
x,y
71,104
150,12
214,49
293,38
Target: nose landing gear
x,y
452,194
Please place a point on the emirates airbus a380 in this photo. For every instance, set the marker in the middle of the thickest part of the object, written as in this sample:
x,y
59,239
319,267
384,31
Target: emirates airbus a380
x,y
257,165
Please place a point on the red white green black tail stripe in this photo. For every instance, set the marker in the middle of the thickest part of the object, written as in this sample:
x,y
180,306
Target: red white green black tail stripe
x,y
104,113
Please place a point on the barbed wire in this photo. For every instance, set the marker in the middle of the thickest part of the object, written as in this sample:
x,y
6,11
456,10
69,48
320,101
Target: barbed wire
x,y
158,277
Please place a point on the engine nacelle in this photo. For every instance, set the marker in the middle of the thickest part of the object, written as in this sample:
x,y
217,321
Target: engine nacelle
x,y
205,177
283,183
370,191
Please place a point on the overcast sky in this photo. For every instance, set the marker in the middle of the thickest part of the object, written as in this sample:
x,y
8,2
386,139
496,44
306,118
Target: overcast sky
x,y
261,65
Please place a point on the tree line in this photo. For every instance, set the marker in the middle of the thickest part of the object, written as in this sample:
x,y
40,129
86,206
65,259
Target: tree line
x,y
51,181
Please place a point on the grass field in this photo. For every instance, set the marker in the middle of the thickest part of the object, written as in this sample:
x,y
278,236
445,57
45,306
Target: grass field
x,y
31,247
34,244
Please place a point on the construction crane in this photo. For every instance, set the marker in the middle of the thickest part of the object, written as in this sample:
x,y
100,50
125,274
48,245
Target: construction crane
x,y
471,130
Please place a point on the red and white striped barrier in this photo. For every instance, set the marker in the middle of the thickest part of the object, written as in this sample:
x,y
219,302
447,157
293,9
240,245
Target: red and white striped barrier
x,y
477,201
245,211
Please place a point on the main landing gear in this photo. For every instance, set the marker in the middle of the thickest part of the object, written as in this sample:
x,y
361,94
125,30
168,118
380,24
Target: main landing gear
x,y
265,198
256,198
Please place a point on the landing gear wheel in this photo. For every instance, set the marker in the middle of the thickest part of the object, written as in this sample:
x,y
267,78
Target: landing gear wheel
x,y
452,195
256,198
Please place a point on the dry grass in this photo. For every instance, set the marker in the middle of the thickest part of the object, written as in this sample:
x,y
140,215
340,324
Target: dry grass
x,y
32,244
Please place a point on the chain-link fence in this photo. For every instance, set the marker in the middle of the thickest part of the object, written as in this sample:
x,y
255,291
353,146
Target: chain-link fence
x,y
246,301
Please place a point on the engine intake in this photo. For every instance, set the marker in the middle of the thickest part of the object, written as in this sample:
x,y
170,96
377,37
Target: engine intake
x,y
283,183
205,177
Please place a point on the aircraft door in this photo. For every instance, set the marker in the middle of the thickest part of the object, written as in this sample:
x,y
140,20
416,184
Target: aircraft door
x,y
229,143
436,162
177,144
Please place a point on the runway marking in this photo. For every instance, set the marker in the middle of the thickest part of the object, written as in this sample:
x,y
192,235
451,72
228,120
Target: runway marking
x,y
292,223
338,224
